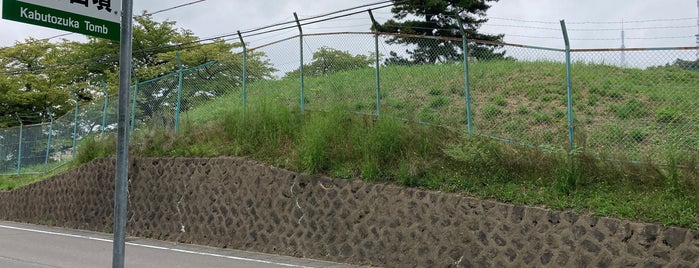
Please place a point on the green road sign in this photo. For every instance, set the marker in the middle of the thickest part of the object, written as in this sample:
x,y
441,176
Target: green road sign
x,y
99,18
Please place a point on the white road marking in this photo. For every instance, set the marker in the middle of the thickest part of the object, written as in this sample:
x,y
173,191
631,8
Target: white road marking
x,y
27,262
155,247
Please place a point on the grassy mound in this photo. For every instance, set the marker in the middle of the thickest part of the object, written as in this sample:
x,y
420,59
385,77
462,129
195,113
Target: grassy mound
x,y
419,139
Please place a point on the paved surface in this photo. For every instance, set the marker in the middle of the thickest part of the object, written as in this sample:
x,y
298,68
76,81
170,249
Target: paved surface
x,y
31,246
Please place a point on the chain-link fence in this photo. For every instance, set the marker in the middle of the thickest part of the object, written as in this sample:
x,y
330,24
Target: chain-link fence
x,y
630,104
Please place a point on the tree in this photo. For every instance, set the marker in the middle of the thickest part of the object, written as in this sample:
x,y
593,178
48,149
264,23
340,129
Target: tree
x,y
28,87
329,60
438,18
686,64
37,74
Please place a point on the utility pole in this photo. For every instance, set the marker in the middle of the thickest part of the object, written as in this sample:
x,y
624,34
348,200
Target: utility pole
x,y
697,36
122,151
623,45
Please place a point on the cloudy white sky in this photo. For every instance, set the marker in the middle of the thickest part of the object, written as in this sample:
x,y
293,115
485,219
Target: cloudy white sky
x,y
591,23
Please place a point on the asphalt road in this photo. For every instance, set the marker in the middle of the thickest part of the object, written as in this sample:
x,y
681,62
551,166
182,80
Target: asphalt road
x,y
31,246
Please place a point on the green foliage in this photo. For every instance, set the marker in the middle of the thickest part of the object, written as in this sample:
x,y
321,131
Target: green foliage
x,y
439,102
95,147
28,88
639,135
542,118
420,18
317,137
499,100
491,111
631,109
430,116
523,110
669,114
329,60
687,65
7,184
40,75
435,91
259,131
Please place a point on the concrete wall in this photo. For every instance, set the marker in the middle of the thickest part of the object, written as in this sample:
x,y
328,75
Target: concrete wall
x,y
236,203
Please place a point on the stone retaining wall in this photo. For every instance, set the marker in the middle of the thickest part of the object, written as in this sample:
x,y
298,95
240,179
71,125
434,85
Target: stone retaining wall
x,y
236,203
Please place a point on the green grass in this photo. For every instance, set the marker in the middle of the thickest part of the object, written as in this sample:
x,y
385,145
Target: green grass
x,y
10,182
531,94
384,149
419,138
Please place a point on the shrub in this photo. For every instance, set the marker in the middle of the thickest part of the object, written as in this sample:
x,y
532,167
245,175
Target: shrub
x,y
499,100
435,91
669,114
491,111
439,102
631,109
95,147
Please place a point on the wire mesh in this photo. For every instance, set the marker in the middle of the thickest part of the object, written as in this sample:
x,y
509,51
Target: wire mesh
x,y
9,150
277,85
430,92
34,142
519,94
156,101
61,149
90,118
637,105
629,105
338,76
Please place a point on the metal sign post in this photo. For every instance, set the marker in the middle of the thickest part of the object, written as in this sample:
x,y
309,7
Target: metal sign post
x,y
122,159
100,19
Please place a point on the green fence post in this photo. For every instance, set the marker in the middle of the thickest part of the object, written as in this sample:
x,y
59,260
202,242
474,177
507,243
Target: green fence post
x,y
464,42
245,59
298,23
48,144
106,105
75,124
19,146
571,144
378,64
179,92
133,108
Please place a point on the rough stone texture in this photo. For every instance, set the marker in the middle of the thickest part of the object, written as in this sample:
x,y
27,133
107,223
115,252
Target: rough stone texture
x,y
236,203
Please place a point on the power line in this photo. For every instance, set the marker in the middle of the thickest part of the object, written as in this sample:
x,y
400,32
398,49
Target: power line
x,y
335,27
255,31
591,29
175,7
313,22
591,22
214,39
632,21
636,28
347,9
524,26
600,39
521,20
314,17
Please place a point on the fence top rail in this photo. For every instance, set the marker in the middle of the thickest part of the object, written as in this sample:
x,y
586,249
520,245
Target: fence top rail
x,y
25,126
478,41
176,72
272,43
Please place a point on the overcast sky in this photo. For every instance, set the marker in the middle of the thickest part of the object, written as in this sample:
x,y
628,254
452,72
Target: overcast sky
x,y
531,22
